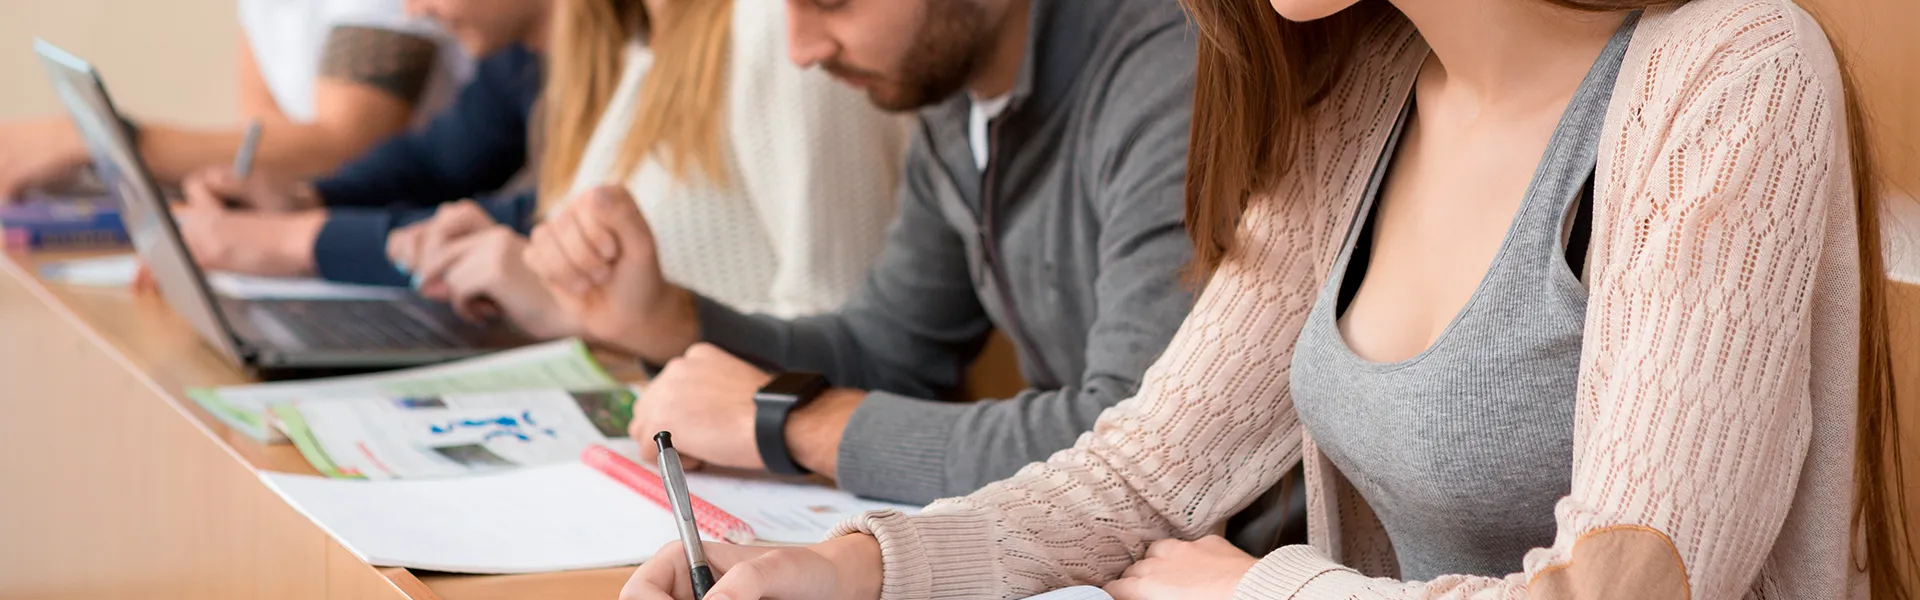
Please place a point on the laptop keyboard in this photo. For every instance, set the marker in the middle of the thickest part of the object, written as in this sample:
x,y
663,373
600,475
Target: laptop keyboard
x,y
358,325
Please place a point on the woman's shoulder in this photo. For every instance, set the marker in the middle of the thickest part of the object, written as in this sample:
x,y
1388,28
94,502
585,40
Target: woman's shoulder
x,y
1702,41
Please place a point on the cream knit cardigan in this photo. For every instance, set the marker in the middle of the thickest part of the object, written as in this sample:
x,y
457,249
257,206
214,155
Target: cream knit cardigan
x,y
1713,437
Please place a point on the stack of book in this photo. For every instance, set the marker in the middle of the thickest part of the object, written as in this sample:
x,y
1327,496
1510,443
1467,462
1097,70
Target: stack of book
x,y
62,223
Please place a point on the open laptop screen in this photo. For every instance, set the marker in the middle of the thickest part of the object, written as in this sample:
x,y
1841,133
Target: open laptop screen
x,y
143,209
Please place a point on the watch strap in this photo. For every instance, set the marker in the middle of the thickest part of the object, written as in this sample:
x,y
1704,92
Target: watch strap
x,y
773,405
770,434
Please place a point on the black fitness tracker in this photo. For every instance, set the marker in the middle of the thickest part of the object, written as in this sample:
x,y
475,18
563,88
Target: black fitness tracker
x,y
773,403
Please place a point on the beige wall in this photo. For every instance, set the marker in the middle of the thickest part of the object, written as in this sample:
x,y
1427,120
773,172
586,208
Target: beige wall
x,y
1882,38
168,59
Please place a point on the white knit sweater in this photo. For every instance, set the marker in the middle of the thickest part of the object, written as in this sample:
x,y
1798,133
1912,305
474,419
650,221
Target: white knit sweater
x,y
812,172
1714,444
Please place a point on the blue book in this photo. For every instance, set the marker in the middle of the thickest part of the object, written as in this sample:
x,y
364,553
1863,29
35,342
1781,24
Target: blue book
x,y
57,223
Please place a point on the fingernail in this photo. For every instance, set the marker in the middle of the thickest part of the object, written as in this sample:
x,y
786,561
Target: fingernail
x,y
402,267
415,278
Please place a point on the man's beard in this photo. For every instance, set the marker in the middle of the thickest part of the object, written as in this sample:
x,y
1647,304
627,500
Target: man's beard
x,y
950,38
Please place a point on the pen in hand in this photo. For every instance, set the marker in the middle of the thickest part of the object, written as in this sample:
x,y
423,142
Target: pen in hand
x,y
243,160
676,479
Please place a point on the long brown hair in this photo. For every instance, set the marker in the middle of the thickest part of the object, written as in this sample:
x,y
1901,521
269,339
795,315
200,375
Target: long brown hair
x,y
679,111
1259,74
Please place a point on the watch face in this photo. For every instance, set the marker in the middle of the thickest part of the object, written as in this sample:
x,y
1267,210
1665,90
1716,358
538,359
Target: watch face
x,y
795,385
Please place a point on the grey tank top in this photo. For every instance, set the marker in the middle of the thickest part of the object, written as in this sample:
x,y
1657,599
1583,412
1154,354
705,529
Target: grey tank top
x,y
1463,449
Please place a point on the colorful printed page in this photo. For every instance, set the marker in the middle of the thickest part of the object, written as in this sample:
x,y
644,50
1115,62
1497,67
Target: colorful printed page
x,y
561,365
458,434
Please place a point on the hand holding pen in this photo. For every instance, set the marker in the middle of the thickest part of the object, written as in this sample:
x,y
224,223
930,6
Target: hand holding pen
x,y
844,567
676,478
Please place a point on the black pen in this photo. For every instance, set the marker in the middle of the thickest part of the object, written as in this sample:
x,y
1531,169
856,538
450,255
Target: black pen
x,y
676,479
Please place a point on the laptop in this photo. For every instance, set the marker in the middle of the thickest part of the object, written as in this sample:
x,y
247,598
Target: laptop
x,y
270,338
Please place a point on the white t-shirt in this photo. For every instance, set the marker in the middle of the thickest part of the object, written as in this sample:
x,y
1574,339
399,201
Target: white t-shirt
x,y
983,113
288,37
813,169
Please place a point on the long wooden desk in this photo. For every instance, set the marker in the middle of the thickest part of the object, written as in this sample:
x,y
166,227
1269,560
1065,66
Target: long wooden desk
x,y
114,484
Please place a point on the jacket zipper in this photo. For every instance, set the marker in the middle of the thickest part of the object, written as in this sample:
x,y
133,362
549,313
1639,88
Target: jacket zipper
x,y
990,249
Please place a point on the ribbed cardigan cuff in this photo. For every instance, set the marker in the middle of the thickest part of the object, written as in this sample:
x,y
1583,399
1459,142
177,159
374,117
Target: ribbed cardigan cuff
x,y
960,542
895,448
1287,572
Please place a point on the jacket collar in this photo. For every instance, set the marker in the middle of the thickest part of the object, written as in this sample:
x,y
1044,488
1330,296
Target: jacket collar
x,y
1060,40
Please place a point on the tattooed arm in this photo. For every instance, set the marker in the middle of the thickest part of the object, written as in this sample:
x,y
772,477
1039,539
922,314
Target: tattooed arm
x,y
393,62
369,82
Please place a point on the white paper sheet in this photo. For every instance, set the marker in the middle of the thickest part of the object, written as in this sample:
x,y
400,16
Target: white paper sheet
x,y
783,512
249,287
119,270
1078,592
106,271
552,518
533,519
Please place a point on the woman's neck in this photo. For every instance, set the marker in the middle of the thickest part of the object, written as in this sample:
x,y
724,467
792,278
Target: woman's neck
x,y
1510,52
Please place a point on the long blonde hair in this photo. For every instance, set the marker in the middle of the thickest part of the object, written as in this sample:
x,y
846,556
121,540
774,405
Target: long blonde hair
x,y
679,111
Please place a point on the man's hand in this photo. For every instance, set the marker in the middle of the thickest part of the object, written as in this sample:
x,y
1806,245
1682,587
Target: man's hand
x,y
846,567
706,399
261,191
1205,569
415,245
482,276
597,258
254,243
37,152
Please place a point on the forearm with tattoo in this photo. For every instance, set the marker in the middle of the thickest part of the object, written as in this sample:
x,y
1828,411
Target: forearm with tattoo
x,y
391,61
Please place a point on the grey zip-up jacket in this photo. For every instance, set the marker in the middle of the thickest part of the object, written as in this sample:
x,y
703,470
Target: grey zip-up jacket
x,y
1071,242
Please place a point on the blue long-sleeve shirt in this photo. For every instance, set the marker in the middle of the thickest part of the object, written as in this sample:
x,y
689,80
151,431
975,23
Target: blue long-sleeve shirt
x,y
474,147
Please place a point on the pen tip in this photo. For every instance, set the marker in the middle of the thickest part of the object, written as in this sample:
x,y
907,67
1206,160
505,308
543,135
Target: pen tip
x,y
664,439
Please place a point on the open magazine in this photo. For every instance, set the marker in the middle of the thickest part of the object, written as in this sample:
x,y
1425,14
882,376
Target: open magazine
x,y
561,365
415,437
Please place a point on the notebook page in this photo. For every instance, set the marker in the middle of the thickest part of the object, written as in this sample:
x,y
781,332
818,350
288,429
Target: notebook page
x,y
1078,592
535,519
783,511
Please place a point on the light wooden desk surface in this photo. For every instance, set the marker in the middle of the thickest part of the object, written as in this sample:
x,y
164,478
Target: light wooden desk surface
x,y
114,484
